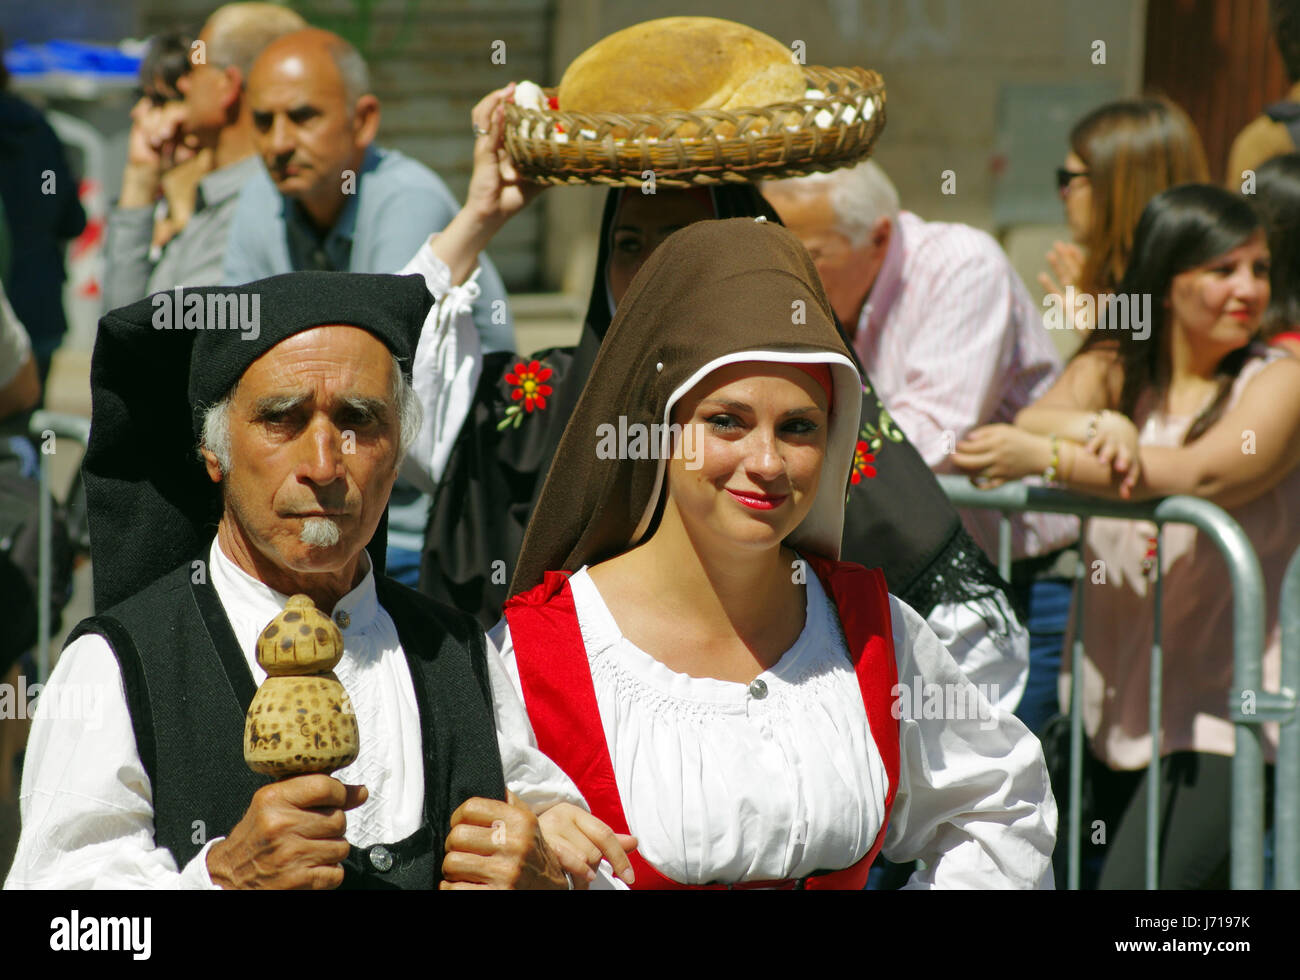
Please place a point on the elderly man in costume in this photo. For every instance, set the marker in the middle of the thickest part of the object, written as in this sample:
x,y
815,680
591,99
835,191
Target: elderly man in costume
x,y
302,429
302,413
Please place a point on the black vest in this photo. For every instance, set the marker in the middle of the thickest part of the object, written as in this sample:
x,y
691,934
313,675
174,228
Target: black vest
x,y
188,687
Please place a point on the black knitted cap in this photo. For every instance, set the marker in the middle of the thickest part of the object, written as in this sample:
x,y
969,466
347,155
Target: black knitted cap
x,y
160,362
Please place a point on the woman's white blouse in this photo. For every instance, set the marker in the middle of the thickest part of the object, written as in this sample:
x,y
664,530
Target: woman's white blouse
x,y
723,781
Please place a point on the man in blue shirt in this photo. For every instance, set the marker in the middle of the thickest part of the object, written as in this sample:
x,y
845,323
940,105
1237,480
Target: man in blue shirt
x,y
331,200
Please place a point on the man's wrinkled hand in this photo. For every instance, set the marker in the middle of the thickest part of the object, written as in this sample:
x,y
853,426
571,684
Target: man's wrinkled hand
x,y
290,837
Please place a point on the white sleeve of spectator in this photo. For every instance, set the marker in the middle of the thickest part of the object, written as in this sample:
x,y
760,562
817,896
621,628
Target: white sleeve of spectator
x,y
86,802
446,369
974,803
961,337
15,345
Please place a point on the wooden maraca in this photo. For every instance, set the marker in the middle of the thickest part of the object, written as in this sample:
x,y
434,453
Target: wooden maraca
x,y
300,720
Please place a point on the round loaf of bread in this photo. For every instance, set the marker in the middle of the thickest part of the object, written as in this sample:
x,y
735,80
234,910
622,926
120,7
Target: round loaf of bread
x,y
681,63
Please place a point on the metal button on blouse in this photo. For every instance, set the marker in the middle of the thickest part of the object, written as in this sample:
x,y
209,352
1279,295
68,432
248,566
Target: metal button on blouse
x,y
381,858
758,689
342,618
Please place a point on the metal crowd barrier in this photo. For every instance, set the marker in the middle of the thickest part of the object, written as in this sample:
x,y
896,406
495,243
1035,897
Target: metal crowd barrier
x,y
1286,805
1247,834
76,428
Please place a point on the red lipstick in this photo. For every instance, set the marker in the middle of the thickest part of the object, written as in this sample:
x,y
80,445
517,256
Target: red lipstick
x,y
758,501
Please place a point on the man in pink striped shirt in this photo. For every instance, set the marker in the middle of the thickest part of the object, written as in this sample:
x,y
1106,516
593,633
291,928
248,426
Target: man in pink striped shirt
x,y
945,330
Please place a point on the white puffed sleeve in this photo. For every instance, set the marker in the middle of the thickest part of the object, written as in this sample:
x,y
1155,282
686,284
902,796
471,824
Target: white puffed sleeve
x,y
974,803
86,801
445,371
996,658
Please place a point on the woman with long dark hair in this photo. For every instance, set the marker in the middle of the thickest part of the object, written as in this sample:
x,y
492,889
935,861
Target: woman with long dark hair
x,y
1171,399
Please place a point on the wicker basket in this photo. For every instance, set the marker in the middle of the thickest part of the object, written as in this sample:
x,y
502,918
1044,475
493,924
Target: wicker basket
x,y
704,146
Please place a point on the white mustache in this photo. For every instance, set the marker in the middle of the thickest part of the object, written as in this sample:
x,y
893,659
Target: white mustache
x,y
319,532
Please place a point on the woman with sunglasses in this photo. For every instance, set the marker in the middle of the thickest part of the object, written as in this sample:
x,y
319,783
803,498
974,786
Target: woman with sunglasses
x,y
1121,155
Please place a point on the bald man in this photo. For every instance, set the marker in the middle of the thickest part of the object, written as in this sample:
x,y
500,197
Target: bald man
x,y
330,199
214,122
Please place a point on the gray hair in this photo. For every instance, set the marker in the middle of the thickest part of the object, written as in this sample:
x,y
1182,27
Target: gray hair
x,y
216,420
352,69
858,196
237,32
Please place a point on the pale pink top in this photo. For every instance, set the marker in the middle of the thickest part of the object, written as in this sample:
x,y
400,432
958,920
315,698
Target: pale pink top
x,y
1197,627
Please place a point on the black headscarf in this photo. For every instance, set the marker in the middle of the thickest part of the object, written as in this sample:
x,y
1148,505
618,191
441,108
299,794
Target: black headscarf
x,y
159,363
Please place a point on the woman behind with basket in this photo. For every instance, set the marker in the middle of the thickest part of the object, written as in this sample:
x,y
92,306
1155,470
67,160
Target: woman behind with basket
x,y
501,418
688,647
1185,403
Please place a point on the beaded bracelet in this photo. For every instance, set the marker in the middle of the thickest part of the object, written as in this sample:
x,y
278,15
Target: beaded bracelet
x,y
1049,474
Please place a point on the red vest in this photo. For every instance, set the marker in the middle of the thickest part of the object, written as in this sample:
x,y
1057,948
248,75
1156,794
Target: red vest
x,y
561,699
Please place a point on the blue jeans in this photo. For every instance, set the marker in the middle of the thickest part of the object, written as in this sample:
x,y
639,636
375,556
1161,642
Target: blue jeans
x,y
886,876
1049,614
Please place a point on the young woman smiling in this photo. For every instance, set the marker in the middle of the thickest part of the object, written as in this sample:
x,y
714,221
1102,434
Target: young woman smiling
x,y
689,648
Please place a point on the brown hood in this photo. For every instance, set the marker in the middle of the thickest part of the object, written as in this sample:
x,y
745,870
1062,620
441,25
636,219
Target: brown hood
x,y
713,293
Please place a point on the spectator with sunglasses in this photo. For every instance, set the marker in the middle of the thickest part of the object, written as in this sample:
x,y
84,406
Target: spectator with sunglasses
x,y
191,147
1122,154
